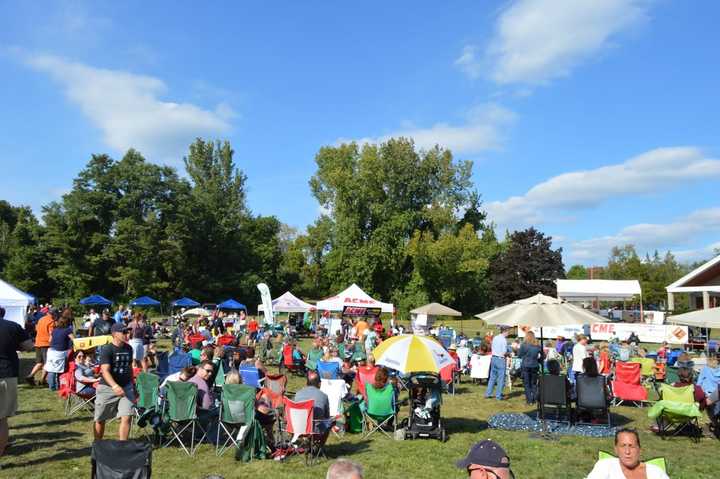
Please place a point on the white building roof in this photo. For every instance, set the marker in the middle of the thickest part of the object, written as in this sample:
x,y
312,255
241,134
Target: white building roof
x,y
677,286
607,289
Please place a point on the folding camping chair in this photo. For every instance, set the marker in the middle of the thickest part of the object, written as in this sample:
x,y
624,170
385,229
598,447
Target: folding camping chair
x,y
180,414
449,376
251,376
647,369
336,390
163,365
112,459
626,385
671,375
365,376
676,412
380,410
463,353
554,392
313,357
147,385
328,369
657,461
237,409
299,421
592,396
178,360
288,362
74,401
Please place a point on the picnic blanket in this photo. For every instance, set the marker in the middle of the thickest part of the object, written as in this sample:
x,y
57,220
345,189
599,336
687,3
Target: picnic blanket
x,y
530,423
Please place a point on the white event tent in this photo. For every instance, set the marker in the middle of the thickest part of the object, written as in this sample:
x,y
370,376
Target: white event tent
x,y
15,302
352,296
288,303
597,289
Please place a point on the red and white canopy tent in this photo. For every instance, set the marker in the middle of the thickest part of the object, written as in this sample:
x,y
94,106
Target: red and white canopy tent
x,y
352,296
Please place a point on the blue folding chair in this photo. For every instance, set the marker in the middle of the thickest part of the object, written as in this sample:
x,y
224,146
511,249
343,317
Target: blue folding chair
x,y
178,361
328,369
163,365
251,376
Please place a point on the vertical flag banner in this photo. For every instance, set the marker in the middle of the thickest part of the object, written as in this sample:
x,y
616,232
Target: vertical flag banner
x,y
266,301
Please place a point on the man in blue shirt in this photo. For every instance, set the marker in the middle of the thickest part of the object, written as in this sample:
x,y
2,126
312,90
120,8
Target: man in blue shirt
x,y
120,314
497,364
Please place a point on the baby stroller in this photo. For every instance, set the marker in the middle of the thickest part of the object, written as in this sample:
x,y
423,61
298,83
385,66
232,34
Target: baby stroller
x,y
425,391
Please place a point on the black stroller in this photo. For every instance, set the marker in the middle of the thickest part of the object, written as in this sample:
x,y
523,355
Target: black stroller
x,y
425,400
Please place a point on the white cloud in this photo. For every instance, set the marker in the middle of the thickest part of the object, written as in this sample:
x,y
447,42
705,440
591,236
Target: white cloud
x,y
126,107
675,236
538,40
558,197
481,131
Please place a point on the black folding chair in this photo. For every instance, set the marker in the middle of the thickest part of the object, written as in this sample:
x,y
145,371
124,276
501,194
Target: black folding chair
x,y
112,459
592,396
554,394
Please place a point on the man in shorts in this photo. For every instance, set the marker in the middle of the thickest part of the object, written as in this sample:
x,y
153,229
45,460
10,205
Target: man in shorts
x,y
43,332
115,392
12,338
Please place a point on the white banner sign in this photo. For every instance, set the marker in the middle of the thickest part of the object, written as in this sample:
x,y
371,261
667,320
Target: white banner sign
x,y
648,333
267,302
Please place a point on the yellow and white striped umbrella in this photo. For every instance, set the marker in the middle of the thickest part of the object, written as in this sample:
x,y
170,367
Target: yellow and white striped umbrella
x,y
409,353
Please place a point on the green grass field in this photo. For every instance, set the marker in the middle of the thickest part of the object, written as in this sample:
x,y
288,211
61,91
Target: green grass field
x,y
46,444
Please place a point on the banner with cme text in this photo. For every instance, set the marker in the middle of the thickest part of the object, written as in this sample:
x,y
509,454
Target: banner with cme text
x,y
648,333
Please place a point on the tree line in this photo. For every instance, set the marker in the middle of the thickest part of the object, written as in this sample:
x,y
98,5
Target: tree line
x,y
404,224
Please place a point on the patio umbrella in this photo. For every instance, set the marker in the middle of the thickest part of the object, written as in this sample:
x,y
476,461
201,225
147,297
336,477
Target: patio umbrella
x,y
539,311
197,312
409,353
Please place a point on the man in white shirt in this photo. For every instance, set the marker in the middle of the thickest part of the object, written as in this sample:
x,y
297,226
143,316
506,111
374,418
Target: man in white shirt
x,y
497,364
579,353
627,464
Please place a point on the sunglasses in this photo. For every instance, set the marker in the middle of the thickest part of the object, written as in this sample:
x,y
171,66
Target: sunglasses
x,y
208,370
488,473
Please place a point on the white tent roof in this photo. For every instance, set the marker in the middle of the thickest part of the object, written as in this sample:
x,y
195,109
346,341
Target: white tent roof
x,y
607,289
288,303
353,296
11,296
703,318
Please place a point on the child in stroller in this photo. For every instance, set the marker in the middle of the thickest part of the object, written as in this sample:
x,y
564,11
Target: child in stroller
x,y
425,399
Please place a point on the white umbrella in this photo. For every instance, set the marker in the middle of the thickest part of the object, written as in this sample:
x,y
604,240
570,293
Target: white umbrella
x,y
703,318
539,311
197,312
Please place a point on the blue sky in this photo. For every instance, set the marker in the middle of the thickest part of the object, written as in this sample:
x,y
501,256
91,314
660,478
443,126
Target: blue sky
x,y
594,120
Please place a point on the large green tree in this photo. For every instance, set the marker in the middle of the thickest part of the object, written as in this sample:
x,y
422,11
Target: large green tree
x,y
526,265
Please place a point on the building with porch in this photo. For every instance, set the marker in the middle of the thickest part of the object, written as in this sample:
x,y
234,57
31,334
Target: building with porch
x,y
702,285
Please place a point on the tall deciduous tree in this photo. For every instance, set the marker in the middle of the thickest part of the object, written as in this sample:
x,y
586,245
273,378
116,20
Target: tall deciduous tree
x,y
525,266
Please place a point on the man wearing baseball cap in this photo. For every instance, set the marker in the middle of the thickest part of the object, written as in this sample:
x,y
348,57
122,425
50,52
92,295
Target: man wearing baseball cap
x,y
115,393
486,460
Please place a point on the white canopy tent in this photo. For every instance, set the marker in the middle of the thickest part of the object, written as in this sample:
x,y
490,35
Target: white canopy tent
x,y
598,289
353,296
288,303
702,318
15,302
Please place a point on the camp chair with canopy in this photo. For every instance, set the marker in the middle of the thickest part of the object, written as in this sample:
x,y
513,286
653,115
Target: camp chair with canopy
x,y
626,385
180,414
147,385
657,461
300,423
676,411
237,409
554,392
74,401
328,369
112,459
592,396
380,410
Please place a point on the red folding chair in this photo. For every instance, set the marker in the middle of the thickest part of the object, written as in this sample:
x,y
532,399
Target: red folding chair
x,y
195,338
225,339
74,401
288,362
449,375
626,385
299,421
364,376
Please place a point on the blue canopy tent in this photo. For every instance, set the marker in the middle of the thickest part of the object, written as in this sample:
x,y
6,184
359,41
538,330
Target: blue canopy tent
x,y
144,301
185,303
231,304
95,300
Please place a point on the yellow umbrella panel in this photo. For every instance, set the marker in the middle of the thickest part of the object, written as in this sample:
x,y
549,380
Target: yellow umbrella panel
x,y
409,353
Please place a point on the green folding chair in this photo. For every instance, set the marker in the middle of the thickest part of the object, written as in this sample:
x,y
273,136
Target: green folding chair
x,y
656,461
220,376
314,355
237,409
180,415
676,412
147,385
380,410
671,375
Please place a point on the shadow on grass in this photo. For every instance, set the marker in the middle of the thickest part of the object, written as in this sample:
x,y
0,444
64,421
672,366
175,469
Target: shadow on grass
x,y
32,411
56,422
346,448
459,424
62,455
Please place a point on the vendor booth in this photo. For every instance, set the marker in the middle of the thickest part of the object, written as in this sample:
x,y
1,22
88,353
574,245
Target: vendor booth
x,y
352,296
15,302
288,303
